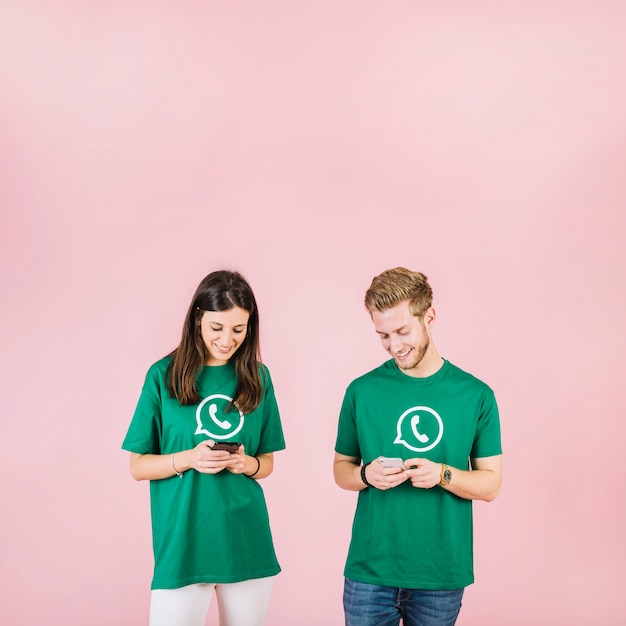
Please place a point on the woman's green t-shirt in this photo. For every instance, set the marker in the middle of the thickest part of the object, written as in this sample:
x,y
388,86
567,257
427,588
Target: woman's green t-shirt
x,y
211,528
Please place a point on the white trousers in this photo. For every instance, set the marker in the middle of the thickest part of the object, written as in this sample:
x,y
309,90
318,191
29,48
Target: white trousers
x,y
240,604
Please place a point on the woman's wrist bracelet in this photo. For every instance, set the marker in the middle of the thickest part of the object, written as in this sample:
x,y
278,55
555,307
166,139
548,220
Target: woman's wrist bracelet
x,y
258,467
179,474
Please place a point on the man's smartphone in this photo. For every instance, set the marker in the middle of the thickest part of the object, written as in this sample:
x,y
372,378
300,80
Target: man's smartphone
x,y
229,446
392,462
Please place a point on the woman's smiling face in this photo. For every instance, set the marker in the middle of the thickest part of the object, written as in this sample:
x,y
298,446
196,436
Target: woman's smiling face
x,y
223,332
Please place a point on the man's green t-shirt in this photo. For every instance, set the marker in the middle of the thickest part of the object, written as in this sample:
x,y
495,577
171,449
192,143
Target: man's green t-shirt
x,y
408,537
210,528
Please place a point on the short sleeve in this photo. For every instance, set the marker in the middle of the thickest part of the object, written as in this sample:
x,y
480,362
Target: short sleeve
x,y
272,438
347,442
487,441
144,432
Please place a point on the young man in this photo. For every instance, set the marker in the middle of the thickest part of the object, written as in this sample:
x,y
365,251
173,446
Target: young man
x,y
411,551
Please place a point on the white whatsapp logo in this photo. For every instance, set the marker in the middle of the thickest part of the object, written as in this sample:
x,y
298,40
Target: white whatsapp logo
x,y
214,422
422,432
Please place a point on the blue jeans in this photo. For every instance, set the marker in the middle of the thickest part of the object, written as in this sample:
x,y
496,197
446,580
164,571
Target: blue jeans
x,y
375,605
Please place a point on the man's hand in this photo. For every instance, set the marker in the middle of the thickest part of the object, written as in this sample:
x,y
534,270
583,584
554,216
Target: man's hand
x,y
482,482
384,477
423,474
347,471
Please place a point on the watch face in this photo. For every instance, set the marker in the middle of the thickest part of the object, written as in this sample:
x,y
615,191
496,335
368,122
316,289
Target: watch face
x,y
447,475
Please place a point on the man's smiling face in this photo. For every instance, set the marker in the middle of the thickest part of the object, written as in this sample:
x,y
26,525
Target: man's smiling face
x,y
402,334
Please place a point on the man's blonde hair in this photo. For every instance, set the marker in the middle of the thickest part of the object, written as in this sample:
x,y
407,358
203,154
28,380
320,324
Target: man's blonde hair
x,y
394,286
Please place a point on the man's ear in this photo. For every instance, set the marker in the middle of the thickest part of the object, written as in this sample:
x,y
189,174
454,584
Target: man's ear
x,y
429,317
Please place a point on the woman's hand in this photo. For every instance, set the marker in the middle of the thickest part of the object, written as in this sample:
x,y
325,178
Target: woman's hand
x,y
203,459
241,463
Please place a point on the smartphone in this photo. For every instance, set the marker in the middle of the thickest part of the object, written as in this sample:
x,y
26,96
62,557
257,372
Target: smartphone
x,y
229,446
392,462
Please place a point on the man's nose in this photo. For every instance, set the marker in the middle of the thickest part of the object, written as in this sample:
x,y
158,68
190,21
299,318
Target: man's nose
x,y
395,344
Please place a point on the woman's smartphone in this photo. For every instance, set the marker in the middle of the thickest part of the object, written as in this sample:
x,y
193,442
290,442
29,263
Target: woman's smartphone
x,y
392,462
229,446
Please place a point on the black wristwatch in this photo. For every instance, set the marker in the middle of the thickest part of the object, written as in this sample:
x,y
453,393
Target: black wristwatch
x,y
446,475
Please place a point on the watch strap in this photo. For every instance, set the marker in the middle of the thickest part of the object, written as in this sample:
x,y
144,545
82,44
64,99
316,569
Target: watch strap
x,y
446,475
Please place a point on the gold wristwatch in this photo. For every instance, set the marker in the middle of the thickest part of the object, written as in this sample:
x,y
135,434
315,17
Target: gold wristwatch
x,y
446,475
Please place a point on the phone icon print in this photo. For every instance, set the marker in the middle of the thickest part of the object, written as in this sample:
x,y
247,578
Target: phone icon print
x,y
213,415
415,420
419,428
208,422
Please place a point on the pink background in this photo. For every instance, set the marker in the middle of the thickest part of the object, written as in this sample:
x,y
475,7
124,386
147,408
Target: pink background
x,y
312,145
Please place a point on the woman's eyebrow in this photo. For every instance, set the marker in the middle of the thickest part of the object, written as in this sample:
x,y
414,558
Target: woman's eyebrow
x,y
220,324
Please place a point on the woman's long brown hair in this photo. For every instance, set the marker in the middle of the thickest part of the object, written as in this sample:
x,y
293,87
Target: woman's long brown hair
x,y
219,291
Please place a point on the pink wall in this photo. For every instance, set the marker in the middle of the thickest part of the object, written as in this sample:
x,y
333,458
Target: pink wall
x,y
312,145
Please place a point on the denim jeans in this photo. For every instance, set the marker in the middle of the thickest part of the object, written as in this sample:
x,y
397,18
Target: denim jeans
x,y
375,605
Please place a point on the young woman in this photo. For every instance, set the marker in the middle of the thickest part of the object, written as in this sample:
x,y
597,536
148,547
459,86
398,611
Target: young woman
x,y
210,523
